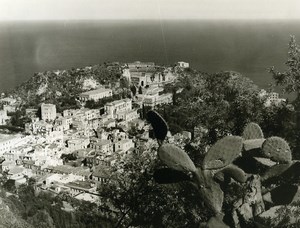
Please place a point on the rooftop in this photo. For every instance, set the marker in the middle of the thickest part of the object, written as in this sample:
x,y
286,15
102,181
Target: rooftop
x,y
4,137
102,142
97,91
118,102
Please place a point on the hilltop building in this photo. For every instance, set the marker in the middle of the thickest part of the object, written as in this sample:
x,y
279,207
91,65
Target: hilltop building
x,y
271,98
48,111
147,73
183,64
95,95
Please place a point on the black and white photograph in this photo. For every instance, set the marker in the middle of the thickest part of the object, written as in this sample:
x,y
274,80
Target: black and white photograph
x,y
149,114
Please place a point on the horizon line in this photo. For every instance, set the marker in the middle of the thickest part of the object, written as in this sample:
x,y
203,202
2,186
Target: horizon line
x,y
152,19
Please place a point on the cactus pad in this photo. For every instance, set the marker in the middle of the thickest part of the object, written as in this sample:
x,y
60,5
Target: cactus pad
x,y
252,144
275,171
175,158
210,191
277,149
159,125
283,174
223,152
235,173
283,194
214,222
169,176
252,131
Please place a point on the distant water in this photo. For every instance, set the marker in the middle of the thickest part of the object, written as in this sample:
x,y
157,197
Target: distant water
x,y
249,47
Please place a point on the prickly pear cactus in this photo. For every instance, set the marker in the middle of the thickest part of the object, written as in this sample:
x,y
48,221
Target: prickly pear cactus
x,y
223,152
160,127
234,172
210,191
251,144
252,131
176,158
217,165
277,149
275,171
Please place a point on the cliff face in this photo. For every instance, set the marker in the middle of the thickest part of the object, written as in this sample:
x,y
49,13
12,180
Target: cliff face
x,y
8,218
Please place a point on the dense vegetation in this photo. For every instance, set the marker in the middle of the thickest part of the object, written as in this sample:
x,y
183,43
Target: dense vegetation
x,y
63,87
47,210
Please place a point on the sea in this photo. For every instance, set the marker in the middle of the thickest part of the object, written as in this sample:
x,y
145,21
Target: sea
x,y
248,47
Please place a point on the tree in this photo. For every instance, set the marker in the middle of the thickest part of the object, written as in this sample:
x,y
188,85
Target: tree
x,y
141,202
289,80
222,103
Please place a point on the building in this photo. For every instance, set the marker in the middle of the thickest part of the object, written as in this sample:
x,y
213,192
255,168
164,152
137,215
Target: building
x,y
48,111
9,108
3,117
156,99
64,122
100,175
271,98
79,187
103,145
124,145
128,115
115,107
77,144
8,142
141,65
183,64
147,73
95,95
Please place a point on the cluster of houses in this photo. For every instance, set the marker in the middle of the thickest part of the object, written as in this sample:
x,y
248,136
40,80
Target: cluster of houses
x,y
71,151
271,98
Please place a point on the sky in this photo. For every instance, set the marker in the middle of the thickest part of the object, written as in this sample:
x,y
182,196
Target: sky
x,y
148,9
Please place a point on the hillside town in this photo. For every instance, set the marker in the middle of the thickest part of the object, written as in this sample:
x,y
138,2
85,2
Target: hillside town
x,y
70,151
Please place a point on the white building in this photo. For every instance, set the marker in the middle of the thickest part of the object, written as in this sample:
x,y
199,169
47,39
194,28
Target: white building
x,y
77,144
115,107
127,115
3,117
183,64
103,145
124,145
48,111
156,99
8,142
95,94
271,98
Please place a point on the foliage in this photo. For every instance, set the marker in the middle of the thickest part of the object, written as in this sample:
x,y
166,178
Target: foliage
x,y
100,103
45,210
63,87
212,184
18,118
222,103
68,157
143,203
